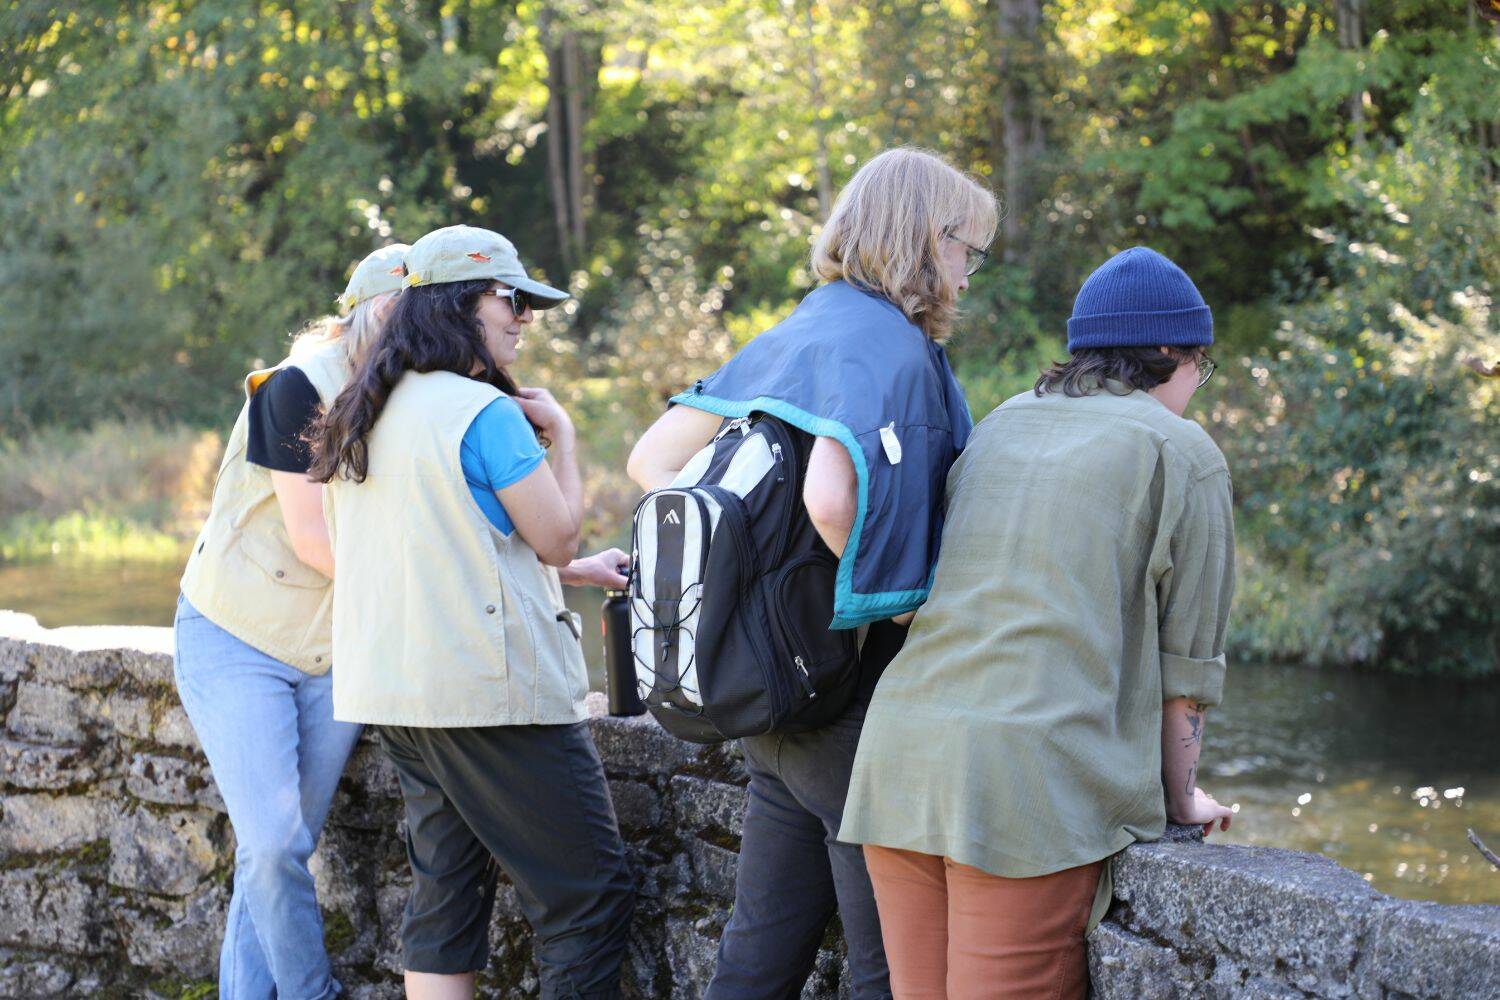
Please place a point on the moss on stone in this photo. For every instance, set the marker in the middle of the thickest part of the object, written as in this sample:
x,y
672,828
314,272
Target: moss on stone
x,y
183,989
338,932
720,837
95,852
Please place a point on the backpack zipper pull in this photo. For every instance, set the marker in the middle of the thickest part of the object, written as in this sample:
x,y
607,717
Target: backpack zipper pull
x,y
740,424
806,677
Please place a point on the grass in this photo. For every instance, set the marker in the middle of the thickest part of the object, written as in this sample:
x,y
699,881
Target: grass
x,y
139,492
85,537
118,491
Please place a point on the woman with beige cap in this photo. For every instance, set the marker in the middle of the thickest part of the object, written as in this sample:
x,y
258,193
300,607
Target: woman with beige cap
x,y
254,636
453,527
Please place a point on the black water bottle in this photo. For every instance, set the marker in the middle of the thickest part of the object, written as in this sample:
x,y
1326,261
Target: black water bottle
x,y
619,659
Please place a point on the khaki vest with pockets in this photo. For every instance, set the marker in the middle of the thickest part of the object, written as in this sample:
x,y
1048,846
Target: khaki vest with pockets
x,y
440,620
243,574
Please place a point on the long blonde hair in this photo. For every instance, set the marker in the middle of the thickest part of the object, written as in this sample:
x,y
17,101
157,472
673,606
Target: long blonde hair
x,y
886,227
357,330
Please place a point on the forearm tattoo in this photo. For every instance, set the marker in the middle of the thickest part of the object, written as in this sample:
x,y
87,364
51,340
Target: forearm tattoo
x,y
1195,725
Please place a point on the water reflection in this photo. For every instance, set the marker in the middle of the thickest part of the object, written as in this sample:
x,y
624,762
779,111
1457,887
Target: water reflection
x,y
1384,774
112,593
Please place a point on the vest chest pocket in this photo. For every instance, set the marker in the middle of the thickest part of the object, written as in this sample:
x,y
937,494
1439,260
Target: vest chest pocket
x,y
280,563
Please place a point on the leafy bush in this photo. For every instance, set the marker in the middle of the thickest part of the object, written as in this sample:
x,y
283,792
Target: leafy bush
x,y
1365,455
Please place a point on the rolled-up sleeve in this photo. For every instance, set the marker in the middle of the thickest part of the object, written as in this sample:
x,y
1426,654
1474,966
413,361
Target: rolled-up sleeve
x,y
1195,594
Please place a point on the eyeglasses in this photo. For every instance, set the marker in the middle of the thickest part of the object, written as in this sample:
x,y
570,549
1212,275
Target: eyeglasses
x,y
1206,368
976,256
519,299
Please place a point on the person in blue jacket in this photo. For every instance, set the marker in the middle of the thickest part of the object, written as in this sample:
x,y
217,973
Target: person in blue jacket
x,y
859,366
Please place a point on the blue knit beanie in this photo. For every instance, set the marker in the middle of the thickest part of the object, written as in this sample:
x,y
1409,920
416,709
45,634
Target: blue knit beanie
x,y
1138,298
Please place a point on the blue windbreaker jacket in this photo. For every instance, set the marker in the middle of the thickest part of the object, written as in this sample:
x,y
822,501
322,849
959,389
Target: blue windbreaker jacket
x,y
845,365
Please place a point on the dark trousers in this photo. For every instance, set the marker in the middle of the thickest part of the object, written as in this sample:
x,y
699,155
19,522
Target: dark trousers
x,y
534,799
793,872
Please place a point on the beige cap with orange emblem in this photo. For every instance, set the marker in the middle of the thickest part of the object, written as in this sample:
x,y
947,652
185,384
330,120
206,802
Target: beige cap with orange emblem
x,y
468,253
380,272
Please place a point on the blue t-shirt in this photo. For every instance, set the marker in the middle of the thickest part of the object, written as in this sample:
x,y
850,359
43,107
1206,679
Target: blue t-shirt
x,y
499,449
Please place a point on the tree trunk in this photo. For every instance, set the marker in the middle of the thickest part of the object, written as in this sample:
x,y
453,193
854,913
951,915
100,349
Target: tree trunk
x,y
815,82
1483,128
1021,139
570,75
1494,127
573,92
1349,16
557,171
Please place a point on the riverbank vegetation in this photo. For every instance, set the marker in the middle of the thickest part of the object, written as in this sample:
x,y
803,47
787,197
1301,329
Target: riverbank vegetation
x,y
182,185
114,491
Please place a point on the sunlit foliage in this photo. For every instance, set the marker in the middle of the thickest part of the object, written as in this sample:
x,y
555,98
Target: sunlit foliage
x,y
184,182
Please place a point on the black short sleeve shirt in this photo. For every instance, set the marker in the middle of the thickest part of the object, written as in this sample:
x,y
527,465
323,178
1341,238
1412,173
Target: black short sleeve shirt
x,y
279,413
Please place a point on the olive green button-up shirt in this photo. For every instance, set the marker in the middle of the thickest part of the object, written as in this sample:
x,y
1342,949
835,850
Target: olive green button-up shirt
x,y
1085,577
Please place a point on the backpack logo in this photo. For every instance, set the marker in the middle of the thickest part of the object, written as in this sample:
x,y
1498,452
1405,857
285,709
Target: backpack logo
x,y
671,518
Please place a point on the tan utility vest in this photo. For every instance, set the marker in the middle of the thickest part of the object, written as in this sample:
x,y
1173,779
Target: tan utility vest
x,y
439,619
243,574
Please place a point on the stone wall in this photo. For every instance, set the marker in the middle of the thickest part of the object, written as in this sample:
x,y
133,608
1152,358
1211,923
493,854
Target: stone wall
x,y
115,866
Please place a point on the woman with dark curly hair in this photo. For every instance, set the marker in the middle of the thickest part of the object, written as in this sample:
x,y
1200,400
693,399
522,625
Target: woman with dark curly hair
x,y
453,527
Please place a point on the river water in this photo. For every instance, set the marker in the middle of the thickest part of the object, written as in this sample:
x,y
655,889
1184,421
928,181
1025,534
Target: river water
x,y
1385,774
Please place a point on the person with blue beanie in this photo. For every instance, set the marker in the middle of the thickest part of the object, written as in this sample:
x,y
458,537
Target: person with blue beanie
x,y
1048,706
1138,298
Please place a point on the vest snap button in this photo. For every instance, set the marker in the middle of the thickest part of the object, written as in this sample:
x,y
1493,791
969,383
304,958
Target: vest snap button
x,y
489,609
280,573
317,659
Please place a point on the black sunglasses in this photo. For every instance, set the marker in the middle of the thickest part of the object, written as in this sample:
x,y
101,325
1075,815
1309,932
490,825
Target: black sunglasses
x,y
519,299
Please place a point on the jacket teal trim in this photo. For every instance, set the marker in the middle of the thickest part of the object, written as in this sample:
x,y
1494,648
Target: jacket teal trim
x,y
850,610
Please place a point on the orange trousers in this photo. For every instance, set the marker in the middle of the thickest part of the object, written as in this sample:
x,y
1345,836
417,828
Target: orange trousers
x,y
953,932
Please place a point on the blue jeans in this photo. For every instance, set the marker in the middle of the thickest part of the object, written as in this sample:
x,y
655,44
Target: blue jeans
x,y
276,753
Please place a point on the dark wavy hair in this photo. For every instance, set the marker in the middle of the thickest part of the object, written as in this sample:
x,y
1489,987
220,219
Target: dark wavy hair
x,y
432,328
1093,368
